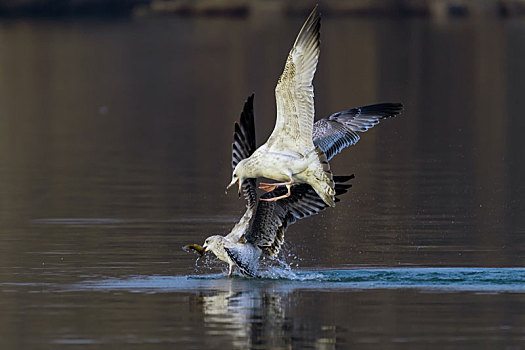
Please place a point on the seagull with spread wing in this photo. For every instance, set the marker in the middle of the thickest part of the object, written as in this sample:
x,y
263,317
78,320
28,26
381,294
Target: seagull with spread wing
x,y
289,154
261,229
298,151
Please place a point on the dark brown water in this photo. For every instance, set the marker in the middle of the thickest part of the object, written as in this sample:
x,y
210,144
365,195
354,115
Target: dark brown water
x,y
115,151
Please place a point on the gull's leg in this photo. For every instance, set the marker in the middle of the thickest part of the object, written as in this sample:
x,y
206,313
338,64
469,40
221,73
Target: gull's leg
x,y
231,270
267,187
280,197
270,187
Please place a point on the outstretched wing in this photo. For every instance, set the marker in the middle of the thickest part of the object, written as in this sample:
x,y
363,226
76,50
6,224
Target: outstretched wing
x,y
243,146
294,93
341,129
273,218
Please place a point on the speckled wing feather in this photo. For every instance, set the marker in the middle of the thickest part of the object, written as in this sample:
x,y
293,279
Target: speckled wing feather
x,y
294,93
243,146
341,129
273,218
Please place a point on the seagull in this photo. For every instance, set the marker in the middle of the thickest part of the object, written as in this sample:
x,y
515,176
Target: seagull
x,y
289,154
260,231
298,150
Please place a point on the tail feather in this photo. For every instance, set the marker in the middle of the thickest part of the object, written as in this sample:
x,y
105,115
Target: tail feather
x,y
321,178
340,186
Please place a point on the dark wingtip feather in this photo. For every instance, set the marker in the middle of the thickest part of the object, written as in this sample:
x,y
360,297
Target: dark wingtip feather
x,y
340,186
343,178
381,110
386,109
344,187
310,29
244,145
341,189
244,133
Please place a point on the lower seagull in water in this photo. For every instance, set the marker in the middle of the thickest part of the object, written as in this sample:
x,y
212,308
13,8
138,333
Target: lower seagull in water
x,y
260,232
261,229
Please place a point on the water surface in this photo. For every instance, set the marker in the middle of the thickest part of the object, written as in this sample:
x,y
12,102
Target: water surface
x,y
115,144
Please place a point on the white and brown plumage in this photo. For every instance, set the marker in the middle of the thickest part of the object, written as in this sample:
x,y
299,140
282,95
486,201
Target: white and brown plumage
x,y
261,229
289,154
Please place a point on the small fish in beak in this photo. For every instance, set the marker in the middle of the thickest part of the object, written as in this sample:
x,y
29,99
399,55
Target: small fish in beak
x,y
197,248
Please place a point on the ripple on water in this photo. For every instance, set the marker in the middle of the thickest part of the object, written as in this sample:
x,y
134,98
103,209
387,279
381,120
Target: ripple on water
x,y
491,280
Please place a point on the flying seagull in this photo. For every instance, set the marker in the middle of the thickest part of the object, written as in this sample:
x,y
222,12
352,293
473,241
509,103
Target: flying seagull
x,y
298,150
289,155
261,229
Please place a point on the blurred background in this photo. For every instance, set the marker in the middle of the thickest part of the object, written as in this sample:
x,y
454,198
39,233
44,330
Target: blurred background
x,y
130,117
433,8
116,121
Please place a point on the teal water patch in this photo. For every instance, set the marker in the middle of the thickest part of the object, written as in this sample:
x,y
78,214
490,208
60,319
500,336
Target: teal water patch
x,y
492,280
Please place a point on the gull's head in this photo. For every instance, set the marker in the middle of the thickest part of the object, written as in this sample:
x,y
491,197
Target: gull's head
x,y
238,175
213,243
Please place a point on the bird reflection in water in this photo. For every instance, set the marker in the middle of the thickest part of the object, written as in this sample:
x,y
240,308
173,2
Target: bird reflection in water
x,y
256,316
